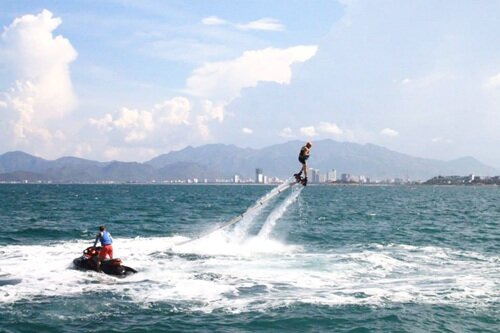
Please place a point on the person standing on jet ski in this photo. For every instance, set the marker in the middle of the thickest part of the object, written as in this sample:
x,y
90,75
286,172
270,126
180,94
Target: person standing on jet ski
x,y
106,245
305,151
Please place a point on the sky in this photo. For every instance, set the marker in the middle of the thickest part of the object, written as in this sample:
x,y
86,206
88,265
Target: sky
x,y
129,80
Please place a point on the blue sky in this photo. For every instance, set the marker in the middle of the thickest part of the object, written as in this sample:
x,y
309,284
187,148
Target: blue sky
x,y
129,80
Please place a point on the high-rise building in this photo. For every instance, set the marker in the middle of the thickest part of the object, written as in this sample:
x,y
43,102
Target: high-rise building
x,y
331,176
259,176
236,178
322,177
313,175
345,177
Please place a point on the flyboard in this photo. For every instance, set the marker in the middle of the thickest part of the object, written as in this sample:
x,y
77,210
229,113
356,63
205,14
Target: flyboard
x,y
274,192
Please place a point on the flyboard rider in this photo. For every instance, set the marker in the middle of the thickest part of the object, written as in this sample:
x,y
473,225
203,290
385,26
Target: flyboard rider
x,y
305,151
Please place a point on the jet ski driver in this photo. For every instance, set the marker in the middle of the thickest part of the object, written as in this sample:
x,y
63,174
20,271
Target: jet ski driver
x,y
106,245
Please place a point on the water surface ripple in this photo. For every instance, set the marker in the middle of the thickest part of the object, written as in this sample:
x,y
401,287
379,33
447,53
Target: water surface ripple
x,y
327,258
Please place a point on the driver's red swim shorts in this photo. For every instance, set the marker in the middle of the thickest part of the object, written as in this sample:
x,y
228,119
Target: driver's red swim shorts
x,y
106,250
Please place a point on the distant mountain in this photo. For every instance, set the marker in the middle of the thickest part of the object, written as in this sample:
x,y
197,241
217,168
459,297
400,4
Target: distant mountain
x,y
128,171
20,161
222,161
188,170
21,176
216,161
281,160
467,163
69,161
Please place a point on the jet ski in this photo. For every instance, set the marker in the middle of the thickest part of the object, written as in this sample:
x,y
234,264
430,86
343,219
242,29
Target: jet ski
x,y
88,261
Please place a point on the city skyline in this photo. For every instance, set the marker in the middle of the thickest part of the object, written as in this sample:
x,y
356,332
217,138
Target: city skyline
x,y
217,161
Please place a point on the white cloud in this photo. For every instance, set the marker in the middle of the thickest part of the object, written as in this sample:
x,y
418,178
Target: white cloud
x,y
286,132
223,81
213,20
43,90
330,128
214,111
174,112
266,24
263,24
82,150
168,125
210,111
428,80
135,126
494,81
308,131
103,123
247,130
389,132
202,127
441,140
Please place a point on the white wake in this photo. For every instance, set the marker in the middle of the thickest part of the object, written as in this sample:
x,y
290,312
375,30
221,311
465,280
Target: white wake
x,y
258,273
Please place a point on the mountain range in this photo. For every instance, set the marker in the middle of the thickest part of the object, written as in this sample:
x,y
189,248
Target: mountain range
x,y
219,161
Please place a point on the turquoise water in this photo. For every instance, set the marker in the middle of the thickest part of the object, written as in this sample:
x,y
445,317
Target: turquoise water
x,y
343,259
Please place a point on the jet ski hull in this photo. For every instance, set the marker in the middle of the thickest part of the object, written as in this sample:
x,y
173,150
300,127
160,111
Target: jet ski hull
x,y
111,266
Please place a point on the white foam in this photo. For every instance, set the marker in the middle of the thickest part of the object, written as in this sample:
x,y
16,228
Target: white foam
x,y
240,230
258,273
278,212
241,224
223,244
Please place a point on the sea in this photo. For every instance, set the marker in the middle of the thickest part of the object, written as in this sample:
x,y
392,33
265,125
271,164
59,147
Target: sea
x,y
311,259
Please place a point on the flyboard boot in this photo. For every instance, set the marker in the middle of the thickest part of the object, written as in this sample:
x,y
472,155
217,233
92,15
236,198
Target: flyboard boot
x,y
298,178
